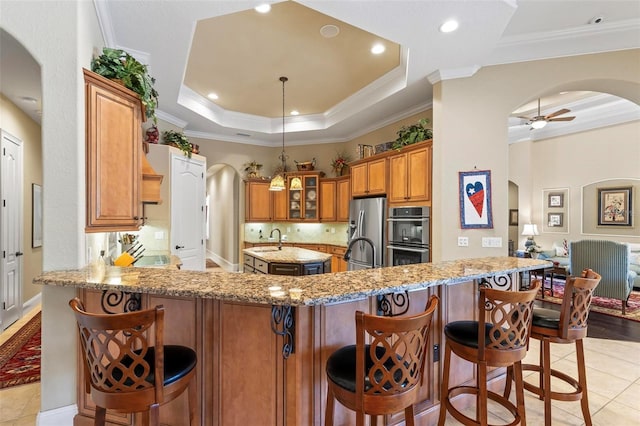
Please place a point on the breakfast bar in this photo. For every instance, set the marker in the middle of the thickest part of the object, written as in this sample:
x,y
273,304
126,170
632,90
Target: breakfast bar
x,y
263,340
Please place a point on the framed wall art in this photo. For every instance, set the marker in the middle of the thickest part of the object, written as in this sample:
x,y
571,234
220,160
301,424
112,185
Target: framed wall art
x,y
36,215
555,219
475,199
614,206
555,199
513,217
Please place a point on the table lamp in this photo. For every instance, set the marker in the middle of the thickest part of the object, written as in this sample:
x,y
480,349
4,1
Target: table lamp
x,y
529,231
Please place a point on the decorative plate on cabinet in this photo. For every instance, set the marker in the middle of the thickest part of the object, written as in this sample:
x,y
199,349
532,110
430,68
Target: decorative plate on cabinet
x,y
311,195
296,195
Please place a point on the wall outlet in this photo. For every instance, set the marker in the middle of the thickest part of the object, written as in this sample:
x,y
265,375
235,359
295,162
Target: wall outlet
x,y
463,241
333,230
493,242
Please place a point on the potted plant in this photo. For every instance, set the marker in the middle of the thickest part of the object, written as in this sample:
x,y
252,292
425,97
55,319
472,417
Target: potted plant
x,y
116,64
534,250
179,140
408,135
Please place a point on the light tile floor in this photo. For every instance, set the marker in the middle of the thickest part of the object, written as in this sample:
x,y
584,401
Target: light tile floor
x,y
613,374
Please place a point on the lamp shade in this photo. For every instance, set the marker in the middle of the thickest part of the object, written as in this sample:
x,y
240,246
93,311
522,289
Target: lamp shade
x,y
530,229
296,184
277,183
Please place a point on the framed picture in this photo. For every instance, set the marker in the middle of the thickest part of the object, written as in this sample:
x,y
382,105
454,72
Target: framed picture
x,y
513,217
475,199
36,215
614,206
556,199
555,219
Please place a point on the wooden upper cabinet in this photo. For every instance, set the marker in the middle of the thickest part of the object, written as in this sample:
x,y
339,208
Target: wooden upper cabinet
x,y
328,200
410,175
113,155
280,205
343,196
258,200
369,178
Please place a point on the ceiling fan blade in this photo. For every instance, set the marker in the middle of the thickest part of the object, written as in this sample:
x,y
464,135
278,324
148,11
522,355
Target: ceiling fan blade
x,y
559,112
524,118
561,119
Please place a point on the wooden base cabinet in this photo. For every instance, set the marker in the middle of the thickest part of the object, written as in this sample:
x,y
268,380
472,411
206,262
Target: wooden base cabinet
x,y
243,377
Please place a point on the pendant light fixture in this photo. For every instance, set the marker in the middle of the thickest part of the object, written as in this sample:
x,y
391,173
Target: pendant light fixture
x,y
278,181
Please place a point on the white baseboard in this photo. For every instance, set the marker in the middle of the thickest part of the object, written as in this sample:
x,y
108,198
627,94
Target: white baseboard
x,y
62,416
224,263
31,303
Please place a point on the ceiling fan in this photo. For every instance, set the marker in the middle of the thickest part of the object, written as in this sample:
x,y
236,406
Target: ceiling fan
x,y
539,121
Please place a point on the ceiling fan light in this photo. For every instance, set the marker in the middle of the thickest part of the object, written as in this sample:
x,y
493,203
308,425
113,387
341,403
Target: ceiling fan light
x,y
538,124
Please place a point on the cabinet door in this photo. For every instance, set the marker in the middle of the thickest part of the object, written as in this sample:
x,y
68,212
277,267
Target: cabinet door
x,y
359,177
257,202
398,178
419,174
113,156
377,177
328,201
284,269
313,268
311,196
295,201
280,205
343,195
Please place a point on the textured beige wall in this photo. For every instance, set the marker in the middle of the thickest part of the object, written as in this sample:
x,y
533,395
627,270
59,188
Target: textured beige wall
x,y
470,131
605,157
18,124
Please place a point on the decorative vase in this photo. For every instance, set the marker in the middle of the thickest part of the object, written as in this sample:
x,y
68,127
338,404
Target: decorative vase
x,y
534,255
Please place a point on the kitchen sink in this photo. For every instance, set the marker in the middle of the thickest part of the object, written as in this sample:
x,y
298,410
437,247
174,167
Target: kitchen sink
x,y
263,249
153,260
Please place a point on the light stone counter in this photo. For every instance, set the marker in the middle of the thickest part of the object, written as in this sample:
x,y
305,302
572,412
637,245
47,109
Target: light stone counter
x,y
287,254
316,289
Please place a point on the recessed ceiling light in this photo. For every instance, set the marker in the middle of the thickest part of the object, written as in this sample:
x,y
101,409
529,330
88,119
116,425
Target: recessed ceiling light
x,y
263,8
295,112
563,93
212,96
449,26
377,48
29,99
329,31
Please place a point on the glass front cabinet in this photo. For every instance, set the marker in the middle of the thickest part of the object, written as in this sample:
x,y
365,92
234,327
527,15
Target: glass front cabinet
x,y
303,204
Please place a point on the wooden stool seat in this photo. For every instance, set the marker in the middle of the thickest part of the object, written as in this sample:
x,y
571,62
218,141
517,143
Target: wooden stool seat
x,y
383,376
568,325
498,339
127,366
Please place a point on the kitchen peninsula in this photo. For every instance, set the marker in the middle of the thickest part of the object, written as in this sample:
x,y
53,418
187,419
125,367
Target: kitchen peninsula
x,y
263,340
285,261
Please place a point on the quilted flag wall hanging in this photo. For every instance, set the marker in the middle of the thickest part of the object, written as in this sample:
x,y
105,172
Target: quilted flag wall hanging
x,y
475,199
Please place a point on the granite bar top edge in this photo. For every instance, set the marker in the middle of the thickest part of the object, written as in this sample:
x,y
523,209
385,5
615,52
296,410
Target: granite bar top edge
x,y
263,289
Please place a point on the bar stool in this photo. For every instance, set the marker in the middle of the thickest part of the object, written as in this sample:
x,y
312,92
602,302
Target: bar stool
x,y
569,325
499,338
384,376
127,366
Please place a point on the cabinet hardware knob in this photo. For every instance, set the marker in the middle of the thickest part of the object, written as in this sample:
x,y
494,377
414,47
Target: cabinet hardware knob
x,y
179,247
136,218
19,253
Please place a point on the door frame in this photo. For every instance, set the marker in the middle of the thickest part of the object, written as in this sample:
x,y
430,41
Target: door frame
x,y
5,320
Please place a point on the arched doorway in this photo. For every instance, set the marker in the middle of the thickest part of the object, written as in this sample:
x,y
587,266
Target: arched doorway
x,y
223,216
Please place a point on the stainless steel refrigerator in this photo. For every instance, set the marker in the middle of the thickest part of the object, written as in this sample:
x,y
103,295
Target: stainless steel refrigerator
x,y
367,219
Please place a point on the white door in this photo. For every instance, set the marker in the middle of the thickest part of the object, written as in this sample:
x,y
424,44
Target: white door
x,y
11,229
188,211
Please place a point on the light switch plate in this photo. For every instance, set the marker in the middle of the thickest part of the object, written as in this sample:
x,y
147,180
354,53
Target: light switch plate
x,y
493,242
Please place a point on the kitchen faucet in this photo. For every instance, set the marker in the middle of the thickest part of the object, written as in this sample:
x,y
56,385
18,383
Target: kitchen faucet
x,y
347,254
279,237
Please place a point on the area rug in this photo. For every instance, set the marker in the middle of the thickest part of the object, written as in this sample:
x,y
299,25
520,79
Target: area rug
x,y
20,355
602,305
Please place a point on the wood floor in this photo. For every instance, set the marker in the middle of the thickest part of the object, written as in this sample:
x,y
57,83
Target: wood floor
x,y
602,326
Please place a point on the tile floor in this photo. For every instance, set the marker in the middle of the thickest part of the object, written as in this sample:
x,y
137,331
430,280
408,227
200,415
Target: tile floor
x,y
613,373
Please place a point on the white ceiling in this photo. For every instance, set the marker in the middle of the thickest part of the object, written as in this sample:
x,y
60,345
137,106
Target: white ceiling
x,y
491,32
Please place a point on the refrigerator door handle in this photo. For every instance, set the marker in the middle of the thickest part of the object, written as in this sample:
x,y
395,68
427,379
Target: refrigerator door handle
x,y
414,250
360,226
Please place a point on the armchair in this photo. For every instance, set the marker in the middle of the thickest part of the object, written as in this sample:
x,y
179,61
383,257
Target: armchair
x,y
611,260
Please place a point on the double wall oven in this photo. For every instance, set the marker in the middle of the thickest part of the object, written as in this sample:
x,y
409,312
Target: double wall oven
x,y
408,240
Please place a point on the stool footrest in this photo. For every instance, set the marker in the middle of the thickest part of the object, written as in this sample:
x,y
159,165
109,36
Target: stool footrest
x,y
470,390
576,395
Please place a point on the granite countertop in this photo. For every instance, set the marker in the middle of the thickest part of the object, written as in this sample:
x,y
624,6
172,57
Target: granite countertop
x,y
287,254
274,289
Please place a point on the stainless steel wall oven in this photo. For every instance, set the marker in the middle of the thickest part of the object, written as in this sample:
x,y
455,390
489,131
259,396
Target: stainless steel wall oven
x,y
408,232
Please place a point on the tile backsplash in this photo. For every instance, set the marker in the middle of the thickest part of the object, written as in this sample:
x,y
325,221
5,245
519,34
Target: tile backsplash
x,y
321,233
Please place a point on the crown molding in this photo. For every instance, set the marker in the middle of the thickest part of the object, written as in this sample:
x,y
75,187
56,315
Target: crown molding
x,y
452,73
